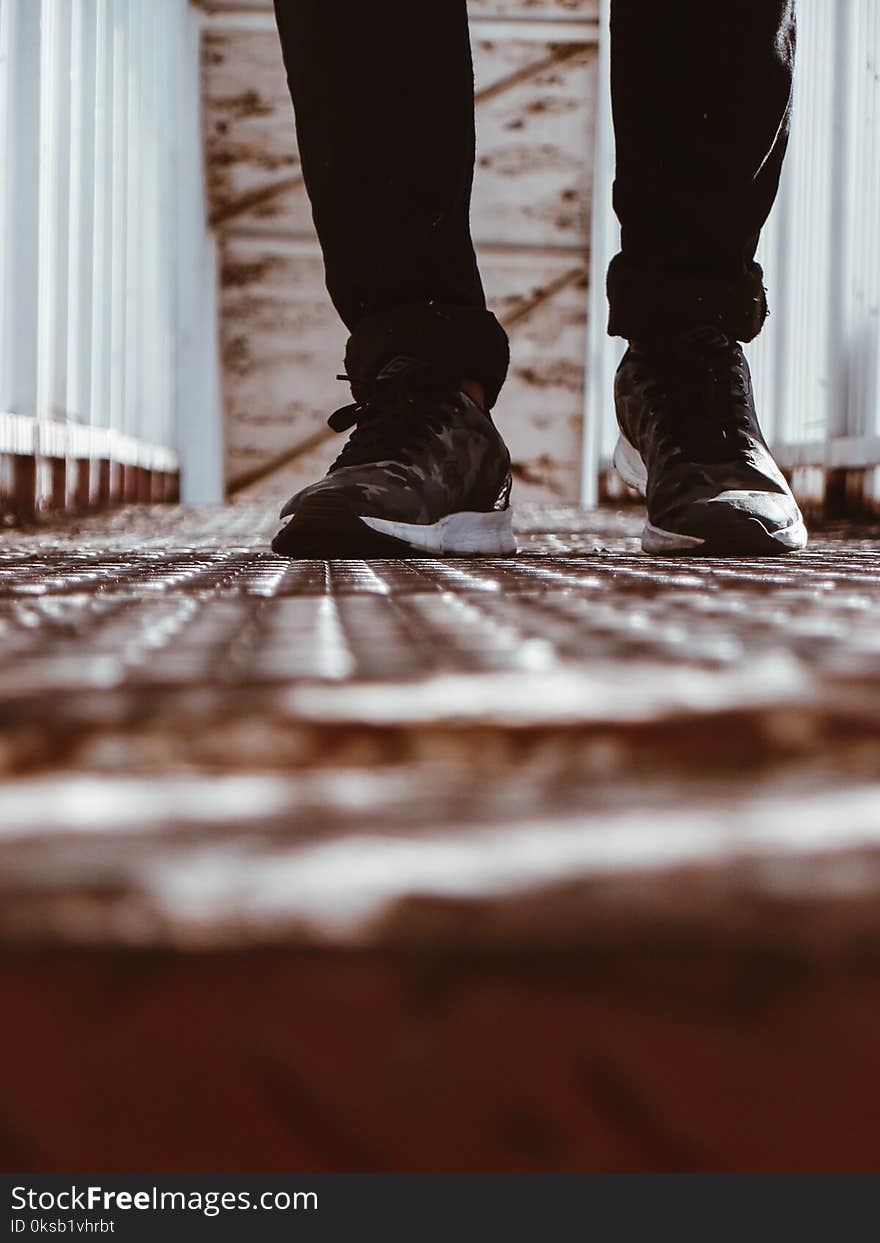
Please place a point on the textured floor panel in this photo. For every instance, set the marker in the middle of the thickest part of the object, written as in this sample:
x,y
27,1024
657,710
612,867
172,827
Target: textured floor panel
x,y
563,862
159,642
579,593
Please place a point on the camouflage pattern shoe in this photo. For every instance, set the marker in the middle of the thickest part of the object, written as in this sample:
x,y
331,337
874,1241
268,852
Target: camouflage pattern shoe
x,y
691,443
425,472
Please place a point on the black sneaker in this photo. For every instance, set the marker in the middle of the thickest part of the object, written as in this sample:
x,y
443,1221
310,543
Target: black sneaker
x,y
691,444
425,472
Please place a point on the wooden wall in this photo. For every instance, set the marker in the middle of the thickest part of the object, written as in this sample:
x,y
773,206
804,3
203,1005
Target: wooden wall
x,y
535,70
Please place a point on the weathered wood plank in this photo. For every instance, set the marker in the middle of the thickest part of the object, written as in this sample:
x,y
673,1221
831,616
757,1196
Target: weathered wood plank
x,y
282,343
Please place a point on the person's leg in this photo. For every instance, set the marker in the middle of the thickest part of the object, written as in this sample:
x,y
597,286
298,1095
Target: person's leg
x,y
384,99
702,100
383,93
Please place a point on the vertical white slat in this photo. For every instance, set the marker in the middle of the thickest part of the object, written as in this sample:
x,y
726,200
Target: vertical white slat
x,y
801,337
172,161
862,360
870,213
20,121
164,267
158,266
602,356
197,398
81,209
8,26
152,428
102,218
119,109
845,129
54,159
166,121
132,410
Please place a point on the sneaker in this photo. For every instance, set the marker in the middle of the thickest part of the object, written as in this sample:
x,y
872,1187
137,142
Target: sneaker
x,y
424,472
691,444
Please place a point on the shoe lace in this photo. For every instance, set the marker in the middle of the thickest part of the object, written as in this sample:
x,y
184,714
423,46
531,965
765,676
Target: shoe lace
x,y
391,409
698,389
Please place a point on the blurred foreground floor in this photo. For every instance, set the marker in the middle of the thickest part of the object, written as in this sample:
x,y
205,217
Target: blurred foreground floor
x,y
570,861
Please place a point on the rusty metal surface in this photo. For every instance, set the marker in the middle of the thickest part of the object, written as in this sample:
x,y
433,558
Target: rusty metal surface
x,y
639,1055
160,595
328,865
206,744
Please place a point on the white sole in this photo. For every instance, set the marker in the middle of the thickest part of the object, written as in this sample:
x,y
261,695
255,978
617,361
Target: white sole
x,y
629,465
655,539
467,534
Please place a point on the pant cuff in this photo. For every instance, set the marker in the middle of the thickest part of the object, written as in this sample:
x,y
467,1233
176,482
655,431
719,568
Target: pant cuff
x,y
463,342
644,303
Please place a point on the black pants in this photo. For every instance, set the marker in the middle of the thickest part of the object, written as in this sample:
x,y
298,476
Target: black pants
x,y
383,95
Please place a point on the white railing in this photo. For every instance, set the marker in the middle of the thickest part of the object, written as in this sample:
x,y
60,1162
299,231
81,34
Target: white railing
x,y
816,365
108,347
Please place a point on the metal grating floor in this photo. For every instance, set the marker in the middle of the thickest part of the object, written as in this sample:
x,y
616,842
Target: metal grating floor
x,y
169,599
428,848
168,685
